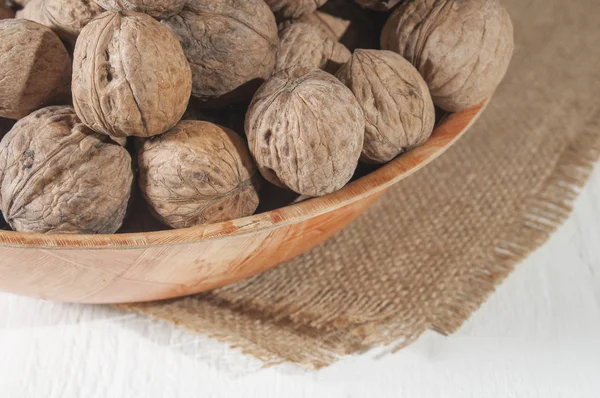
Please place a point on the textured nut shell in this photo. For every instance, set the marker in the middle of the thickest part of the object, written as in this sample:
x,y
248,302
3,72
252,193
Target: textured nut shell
x,y
6,13
155,8
378,5
57,176
230,45
304,45
305,132
35,68
462,48
198,173
65,17
292,9
130,76
398,109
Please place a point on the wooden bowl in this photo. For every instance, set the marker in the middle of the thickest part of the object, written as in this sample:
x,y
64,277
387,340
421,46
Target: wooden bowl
x,y
159,265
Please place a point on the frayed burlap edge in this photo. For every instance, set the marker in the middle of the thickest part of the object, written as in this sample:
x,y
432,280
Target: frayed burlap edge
x,y
284,338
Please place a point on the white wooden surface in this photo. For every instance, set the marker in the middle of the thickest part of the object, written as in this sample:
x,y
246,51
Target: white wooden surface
x,y
538,336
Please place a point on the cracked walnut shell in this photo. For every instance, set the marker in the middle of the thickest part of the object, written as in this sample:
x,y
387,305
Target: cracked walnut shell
x,y
130,76
57,176
230,45
35,68
198,173
305,130
395,100
305,45
461,48
155,8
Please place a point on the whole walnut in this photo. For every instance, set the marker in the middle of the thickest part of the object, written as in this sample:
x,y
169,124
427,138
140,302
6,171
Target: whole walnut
x,y
155,8
65,17
305,45
292,9
6,13
35,68
57,176
230,45
462,48
305,130
198,173
395,100
378,5
130,76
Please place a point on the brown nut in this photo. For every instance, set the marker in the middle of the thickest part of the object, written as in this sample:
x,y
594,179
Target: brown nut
x,y
65,17
462,48
198,173
155,8
395,99
378,5
35,68
305,131
230,45
57,176
306,46
130,76
293,9
6,13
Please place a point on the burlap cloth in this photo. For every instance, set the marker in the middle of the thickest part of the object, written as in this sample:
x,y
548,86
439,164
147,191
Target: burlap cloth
x,y
429,253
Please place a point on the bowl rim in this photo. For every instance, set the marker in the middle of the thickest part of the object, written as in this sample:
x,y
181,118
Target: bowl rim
x,y
446,133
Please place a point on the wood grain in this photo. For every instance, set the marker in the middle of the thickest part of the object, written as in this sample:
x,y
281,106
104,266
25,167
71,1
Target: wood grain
x,y
159,265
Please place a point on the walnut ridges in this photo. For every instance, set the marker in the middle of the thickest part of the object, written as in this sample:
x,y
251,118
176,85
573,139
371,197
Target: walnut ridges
x,y
292,9
57,176
35,68
305,131
65,17
304,45
130,76
395,100
462,48
198,173
155,8
230,45
378,5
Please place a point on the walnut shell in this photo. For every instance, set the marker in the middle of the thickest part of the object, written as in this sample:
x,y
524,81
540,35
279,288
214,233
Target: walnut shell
x,y
462,48
230,45
378,5
305,131
155,8
35,68
198,173
57,176
65,17
6,13
395,100
292,9
304,45
130,76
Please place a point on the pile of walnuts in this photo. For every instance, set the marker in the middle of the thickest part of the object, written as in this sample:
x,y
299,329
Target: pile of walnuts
x,y
190,112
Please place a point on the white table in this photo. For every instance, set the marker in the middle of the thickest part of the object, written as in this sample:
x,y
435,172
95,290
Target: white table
x,y
538,336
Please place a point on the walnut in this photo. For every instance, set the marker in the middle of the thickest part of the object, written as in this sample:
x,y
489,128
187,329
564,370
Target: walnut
x,y
6,13
198,173
155,8
35,68
462,48
304,45
378,5
231,46
292,9
395,99
65,17
305,131
130,76
57,176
